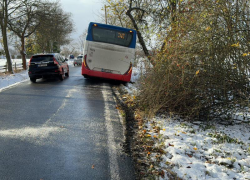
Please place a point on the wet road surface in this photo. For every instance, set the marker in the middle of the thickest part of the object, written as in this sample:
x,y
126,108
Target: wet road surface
x,y
61,130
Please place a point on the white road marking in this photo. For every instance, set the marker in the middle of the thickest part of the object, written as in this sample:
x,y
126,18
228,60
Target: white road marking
x,y
70,92
29,132
114,168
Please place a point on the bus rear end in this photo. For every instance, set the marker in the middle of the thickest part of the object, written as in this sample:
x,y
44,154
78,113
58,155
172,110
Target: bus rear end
x,y
109,52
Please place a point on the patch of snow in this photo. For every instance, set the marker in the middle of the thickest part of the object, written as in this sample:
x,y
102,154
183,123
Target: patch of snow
x,y
13,79
194,154
140,68
196,151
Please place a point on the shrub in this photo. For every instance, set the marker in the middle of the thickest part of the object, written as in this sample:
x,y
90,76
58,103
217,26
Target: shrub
x,y
203,70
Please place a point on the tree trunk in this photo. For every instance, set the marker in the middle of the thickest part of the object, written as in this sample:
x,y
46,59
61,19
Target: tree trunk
x,y
23,54
141,40
3,24
6,50
173,7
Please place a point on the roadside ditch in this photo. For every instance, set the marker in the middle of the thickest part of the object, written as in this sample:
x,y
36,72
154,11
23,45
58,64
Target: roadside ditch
x,y
136,144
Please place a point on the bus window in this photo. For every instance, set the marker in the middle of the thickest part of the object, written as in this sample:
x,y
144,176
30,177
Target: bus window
x,y
112,36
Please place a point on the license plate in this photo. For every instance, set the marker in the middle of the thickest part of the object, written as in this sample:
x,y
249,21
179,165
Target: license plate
x,y
42,65
106,70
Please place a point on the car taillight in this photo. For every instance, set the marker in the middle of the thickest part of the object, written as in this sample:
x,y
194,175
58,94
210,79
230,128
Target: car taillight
x,y
85,61
30,61
55,62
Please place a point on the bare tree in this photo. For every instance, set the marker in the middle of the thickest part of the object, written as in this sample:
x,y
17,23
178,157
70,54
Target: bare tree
x,y
7,8
140,37
81,41
70,49
24,23
150,18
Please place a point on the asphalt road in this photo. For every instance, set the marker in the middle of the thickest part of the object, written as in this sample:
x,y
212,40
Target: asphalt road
x,y
62,130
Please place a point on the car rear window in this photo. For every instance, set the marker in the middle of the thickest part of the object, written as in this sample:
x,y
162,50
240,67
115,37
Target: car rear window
x,y
79,56
42,58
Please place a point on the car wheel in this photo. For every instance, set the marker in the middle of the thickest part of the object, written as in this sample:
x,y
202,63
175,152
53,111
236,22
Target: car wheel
x,y
61,76
33,80
67,74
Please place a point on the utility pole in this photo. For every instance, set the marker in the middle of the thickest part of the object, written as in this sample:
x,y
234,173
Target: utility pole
x,y
106,14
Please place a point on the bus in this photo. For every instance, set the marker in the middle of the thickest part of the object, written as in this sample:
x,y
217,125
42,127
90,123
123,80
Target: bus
x,y
109,52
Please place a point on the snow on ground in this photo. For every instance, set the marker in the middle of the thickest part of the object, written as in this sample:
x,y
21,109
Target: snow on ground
x,y
13,79
7,80
198,151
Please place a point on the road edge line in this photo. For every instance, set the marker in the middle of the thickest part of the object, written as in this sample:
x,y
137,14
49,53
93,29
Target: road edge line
x,y
114,168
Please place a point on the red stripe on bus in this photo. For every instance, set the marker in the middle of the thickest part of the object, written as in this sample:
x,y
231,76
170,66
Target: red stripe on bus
x,y
125,78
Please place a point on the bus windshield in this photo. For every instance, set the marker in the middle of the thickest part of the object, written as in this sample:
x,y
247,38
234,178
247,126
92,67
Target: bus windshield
x,y
111,36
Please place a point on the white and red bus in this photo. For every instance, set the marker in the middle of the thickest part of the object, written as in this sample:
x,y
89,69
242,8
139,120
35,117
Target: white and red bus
x,y
109,52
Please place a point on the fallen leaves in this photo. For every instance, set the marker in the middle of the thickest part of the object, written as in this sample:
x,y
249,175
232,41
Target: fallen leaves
x,y
245,54
236,45
208,28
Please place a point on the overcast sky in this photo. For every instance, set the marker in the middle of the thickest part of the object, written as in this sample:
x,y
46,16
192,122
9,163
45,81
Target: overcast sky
x,y
83,12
